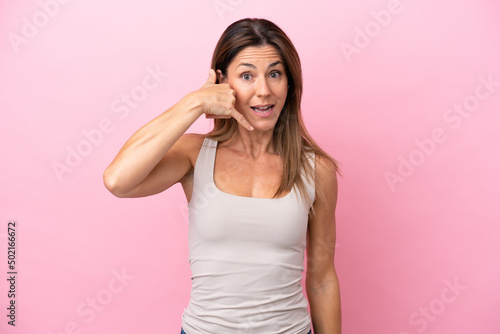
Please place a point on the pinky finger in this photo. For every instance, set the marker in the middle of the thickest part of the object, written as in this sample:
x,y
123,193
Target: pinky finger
x,y
239,117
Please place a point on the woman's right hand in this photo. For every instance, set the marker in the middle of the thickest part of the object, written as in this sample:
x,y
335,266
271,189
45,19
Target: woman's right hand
x,y
217,101
160,153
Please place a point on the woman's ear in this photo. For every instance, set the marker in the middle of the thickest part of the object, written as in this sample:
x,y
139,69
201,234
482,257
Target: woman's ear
x,y
220,76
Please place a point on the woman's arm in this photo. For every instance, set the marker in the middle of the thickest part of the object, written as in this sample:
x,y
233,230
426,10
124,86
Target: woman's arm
x,y
322,285
154,158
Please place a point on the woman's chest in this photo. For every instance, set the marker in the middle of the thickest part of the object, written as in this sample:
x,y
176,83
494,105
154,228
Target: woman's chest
x,y
240,176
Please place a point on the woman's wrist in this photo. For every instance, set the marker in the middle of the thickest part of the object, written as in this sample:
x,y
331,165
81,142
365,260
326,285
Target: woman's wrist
x,y
193,104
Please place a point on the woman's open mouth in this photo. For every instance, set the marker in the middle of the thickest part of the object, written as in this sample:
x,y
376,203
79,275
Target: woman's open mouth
x,y
263,110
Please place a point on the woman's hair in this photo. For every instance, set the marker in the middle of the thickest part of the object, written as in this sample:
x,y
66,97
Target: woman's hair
x,y
291,140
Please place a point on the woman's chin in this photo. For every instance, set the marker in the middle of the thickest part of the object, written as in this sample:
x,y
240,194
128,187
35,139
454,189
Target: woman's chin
x,y
261,126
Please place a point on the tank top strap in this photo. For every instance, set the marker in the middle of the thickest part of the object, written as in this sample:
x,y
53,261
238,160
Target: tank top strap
x,y
310,183
203,169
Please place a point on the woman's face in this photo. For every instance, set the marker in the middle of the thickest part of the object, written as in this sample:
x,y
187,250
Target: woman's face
x,y
258,76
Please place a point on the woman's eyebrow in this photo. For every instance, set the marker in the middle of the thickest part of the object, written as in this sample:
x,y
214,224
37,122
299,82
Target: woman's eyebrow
x,y
253,66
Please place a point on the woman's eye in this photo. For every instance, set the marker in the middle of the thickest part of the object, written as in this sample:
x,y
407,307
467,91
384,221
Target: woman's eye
x,y
275,75
246,76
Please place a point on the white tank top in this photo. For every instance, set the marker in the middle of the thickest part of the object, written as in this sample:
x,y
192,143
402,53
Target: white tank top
x,y
246,256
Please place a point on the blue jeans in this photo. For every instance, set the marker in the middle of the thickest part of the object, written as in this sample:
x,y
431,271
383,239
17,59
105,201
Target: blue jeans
x,y
182,331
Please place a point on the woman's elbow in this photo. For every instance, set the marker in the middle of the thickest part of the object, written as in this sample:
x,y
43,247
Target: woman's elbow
x,y
112,183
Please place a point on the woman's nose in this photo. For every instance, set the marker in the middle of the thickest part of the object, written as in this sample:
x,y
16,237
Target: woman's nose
x,y
261,87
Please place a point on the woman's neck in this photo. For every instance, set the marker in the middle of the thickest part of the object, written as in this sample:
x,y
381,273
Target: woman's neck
x,y
254,143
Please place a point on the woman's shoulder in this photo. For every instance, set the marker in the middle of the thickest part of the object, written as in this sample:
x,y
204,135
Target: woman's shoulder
x,y
326,170
190,143
193,138
326,164
326,182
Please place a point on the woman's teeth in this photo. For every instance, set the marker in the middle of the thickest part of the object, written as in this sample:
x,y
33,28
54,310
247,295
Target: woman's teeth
x,y
263,110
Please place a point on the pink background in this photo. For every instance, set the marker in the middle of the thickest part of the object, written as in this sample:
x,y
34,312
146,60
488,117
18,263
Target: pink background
x,y
379,96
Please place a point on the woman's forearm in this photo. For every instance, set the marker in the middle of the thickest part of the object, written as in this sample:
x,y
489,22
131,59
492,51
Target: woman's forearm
x,y
324,301
146,147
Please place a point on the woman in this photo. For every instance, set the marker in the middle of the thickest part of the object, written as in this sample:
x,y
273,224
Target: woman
x,y
259,188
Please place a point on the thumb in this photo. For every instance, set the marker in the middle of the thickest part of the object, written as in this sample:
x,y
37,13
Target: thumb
x,y
212,77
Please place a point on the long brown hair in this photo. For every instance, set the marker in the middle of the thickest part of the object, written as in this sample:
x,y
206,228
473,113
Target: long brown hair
x,y
291,140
